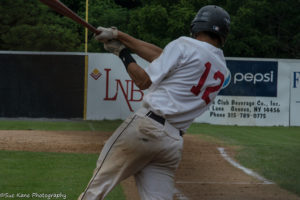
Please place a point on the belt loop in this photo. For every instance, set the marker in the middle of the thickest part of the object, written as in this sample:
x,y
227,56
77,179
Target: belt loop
x,y
181,133
148,113
156,117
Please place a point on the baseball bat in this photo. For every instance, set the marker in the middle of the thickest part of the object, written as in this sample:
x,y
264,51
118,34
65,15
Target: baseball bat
x,y
65,11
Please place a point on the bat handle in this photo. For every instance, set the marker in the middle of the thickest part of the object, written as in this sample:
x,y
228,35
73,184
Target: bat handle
x,y
94,30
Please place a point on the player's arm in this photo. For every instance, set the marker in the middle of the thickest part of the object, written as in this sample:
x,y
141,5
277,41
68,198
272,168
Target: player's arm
x,y
144,49
136,73
139,76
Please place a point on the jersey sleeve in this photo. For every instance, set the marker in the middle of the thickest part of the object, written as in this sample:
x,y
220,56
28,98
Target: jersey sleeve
x,y
168,60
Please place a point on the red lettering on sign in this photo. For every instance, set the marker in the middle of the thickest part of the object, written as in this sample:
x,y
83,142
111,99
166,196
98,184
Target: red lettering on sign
x,y
125,94
130,89
107,88
135,91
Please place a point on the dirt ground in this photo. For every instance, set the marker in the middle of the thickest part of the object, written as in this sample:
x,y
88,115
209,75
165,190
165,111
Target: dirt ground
x,y
203,173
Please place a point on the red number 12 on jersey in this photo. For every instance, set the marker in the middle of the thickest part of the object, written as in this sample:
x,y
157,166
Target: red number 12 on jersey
x,y
197,89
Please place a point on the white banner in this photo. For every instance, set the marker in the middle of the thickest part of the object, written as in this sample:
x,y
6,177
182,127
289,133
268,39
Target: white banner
x,y
111,93
295,94
258,93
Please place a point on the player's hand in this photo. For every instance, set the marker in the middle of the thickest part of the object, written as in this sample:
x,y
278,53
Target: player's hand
x,y
106,34
114,46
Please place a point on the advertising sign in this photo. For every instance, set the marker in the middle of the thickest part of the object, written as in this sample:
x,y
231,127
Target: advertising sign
x,y
295,94
256,95
111,93
256,92
251,78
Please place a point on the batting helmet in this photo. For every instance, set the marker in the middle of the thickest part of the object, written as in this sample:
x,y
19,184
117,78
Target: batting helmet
x,y
213,19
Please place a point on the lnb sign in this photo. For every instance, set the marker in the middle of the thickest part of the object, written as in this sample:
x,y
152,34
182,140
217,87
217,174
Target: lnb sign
x,y
252,78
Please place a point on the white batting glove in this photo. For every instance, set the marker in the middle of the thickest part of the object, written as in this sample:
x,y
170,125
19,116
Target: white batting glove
x,y
114,46
106,34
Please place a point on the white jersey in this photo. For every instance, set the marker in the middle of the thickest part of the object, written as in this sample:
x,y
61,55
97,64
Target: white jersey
x,y
186,78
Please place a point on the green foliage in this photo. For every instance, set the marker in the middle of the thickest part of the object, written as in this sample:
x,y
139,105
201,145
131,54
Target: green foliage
x,y
128,3
105,14
264,29
180,20
41,37
29,25
149,24
259,28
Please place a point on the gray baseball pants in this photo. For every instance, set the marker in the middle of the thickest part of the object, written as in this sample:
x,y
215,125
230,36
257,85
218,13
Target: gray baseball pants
x,y
141,147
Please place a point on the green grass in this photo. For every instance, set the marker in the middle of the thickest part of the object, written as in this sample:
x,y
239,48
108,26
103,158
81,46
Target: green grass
x,y
28,172
105,125
48,173
271,151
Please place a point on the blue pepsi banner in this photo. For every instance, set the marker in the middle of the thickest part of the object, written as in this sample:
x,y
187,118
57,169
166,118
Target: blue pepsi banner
x,y
252,78
255,93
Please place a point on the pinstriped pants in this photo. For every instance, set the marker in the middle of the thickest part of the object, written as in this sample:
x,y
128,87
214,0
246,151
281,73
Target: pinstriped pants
x,y
141,147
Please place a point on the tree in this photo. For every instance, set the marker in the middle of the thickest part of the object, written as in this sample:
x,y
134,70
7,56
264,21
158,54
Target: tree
x,y
128,3
264,28
106,14
150,24
30,26
259,28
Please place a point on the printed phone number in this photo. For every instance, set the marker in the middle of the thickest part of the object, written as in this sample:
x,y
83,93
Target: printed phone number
x,y
247,115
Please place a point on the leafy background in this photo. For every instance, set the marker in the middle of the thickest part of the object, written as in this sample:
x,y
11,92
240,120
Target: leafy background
x,y
259,28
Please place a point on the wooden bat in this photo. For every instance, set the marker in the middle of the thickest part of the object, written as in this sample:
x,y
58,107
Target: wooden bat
x,y
64,10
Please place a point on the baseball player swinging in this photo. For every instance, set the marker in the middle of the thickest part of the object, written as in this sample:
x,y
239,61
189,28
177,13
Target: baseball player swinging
x,y
183,80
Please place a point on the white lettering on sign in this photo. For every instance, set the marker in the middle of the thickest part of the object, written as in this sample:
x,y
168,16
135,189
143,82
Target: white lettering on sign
x,y
254,78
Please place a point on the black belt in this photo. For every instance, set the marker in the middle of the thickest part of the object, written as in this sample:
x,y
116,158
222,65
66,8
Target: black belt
x,y
159,119
156,117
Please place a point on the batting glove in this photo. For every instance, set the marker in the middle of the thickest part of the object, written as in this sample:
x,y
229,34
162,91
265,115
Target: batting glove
x,y
114,46
106,34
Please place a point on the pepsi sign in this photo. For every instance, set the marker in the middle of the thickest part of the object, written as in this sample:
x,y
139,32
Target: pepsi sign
x,y
251,78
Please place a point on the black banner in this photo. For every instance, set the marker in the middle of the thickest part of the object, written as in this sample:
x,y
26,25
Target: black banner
x,y
41,86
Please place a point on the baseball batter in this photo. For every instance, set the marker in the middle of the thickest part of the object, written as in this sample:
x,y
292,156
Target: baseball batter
x,y
182,81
